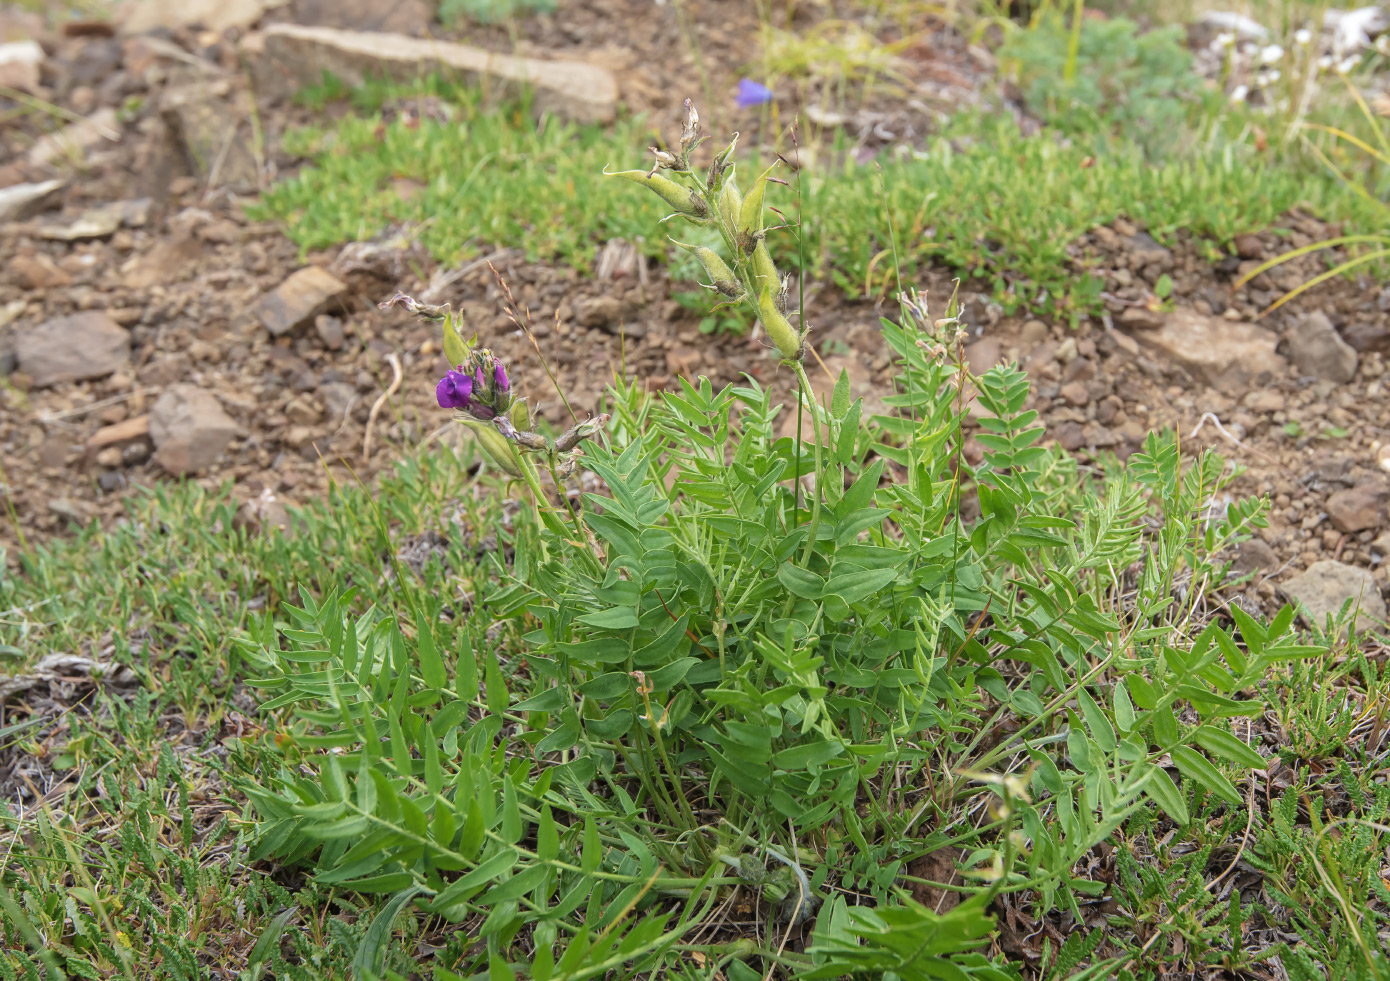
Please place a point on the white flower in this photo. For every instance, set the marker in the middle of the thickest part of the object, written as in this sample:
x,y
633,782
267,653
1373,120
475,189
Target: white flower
x,y
1302,35
1325,63
1270,54
1239,93
1348,64
1224,40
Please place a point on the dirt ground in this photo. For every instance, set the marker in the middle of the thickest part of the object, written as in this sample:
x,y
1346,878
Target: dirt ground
x,y
1297,397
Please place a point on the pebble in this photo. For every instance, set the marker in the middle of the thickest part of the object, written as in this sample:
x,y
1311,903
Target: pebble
x,y
84,345
299,299
1359,508
190,429
1317,350
109,457
37,272
1328,584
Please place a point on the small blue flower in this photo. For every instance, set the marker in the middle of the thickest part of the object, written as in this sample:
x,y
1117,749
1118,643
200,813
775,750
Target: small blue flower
x,y
750,93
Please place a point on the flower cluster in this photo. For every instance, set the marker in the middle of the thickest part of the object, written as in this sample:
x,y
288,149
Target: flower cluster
x,y
479,387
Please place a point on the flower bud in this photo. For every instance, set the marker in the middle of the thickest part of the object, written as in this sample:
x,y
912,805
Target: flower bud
x,y
684,200
720,163
778,327
690,131
455,348
721,276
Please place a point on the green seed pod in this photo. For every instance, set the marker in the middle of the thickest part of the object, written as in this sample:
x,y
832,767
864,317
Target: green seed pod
x,y
778,327
495,446
455,348
721,276
730,202
750,216
765,275
682,198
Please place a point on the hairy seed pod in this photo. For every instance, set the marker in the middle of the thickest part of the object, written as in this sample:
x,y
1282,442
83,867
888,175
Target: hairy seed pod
x,y
778,327
455,348
750,216
721,276
765,275
682,198
730,201
495,446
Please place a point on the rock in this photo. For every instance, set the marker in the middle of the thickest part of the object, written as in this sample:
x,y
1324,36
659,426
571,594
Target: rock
x,y
37,272
1033,333
189,428
215,15
605,312
1249,247
1366,337
1327,585
1231,356
84,345
98,222
1265,400
94,61
171,260
1148,252
1141,318
261,514
984,354
118,436
1075,393
1359,508
1070,436
330,331
1254,556
287,57
109,458
214,133
302,412
19,65
398,16
74,140
1317,350
1380,548
299,299
21,201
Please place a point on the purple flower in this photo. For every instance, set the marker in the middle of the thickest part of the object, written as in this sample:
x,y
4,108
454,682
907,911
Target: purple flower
x,y
453,390
750,93
500,376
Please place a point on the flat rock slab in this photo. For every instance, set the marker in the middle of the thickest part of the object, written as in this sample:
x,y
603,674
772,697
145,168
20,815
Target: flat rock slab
x,y
287,57
1327,585
215,15
189,428
299,299
1232,357
75,139
85,345
20,201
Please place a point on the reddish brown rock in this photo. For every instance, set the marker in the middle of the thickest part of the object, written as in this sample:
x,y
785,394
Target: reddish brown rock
x,y
299,299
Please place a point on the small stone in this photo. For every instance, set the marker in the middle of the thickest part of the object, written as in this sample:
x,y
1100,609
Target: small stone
x,y
19,65
984,354
84,345
1366,337
53,453
1146,251
74,140
1033,333
71,510
1110,407
330,331
1317,350
1254,556
1360,508
1075,393
1081,369
109,457
1067,350
1265,400
189,428
1328,584
1249,246
299,299
298,436
110,481
603,311
37,272
119,434
100,222
302,412
1141,318
1070,436
135,454
21,201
